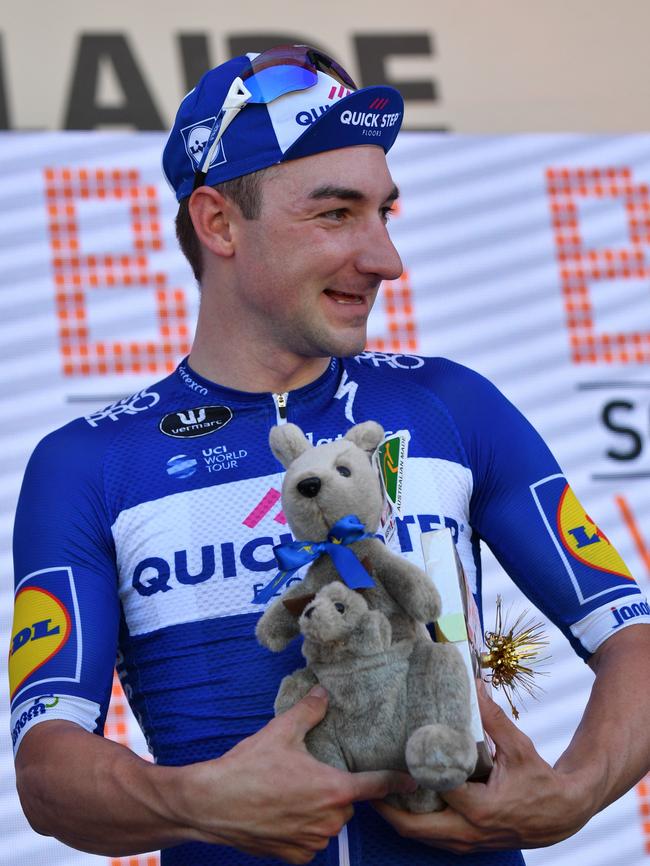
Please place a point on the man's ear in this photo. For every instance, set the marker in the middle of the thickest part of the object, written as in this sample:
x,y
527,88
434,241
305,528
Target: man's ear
x,y
211,215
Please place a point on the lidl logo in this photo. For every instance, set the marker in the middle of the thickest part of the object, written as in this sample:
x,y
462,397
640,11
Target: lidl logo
x,y
44,638
588,555
584,540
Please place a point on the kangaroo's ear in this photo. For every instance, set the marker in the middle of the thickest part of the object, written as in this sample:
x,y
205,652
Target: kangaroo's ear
x,y
287,442
366,436
296,605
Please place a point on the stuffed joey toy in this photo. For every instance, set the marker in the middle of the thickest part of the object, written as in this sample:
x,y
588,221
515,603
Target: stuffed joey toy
x,y
332,499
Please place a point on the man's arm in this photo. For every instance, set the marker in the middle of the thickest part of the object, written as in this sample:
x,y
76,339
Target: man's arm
x,y
526,803
268,796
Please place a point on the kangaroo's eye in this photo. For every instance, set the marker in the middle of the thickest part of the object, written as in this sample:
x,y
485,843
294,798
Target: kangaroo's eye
x,y
340,607
344,471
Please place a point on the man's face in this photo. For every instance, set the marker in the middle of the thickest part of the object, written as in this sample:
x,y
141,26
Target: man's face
x,y
309,268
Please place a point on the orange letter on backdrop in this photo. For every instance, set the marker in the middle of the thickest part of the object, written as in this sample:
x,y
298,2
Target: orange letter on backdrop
x,y
76,274
580,266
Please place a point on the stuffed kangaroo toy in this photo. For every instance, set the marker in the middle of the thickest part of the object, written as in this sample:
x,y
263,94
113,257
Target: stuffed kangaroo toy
x,y
332,499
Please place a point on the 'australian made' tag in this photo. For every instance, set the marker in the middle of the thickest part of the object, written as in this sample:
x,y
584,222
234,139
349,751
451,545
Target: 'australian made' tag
x,y
390,461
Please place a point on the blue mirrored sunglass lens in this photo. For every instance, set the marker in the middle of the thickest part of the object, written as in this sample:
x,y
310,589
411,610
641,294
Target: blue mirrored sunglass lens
x,y
274,81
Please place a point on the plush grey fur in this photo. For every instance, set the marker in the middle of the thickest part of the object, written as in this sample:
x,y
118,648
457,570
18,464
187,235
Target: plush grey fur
x,y
406,688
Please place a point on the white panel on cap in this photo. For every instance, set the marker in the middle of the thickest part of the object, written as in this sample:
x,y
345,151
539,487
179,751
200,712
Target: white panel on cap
x,y
293,113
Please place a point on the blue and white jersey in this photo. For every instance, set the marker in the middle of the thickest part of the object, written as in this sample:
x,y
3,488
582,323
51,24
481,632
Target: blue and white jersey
x,y
144,531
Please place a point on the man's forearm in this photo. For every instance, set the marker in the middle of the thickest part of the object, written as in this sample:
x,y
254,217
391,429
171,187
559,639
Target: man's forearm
x,y
610,750
97,795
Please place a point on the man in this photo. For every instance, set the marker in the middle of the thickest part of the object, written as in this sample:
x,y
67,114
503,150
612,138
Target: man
x,y
279,166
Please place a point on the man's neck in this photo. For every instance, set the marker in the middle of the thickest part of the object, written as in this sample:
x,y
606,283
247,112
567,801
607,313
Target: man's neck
x,y
276,374
241,351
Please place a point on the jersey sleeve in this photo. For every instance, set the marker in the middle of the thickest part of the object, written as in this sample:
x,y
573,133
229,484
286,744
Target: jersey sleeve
x,y
525,510
66,610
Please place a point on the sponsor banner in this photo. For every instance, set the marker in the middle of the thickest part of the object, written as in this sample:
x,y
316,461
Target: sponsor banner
x,y
526,258
507,67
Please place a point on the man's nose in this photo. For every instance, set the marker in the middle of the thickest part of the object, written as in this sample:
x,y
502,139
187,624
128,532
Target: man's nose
x,y
379,255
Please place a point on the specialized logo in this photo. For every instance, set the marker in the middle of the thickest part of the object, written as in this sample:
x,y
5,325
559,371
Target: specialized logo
x,y
586,552
45,641
181,466
629,611
128,406
191,423
195,138
348,389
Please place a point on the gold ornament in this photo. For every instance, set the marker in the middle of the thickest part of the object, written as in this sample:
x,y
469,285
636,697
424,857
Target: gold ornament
x,y
513,653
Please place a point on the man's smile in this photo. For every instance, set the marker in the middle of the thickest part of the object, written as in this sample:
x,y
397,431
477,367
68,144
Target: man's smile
x,y
344,297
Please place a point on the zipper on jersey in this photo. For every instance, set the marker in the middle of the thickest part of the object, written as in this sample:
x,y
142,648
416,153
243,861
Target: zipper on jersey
x,y
280,401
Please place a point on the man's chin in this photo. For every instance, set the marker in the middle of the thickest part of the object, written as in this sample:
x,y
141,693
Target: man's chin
x,y
349,345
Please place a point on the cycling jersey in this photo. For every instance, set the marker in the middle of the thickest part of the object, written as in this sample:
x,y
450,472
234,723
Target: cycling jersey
x,y
145,530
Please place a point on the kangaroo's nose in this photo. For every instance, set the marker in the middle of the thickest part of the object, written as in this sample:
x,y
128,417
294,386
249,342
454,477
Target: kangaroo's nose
x,y
309,487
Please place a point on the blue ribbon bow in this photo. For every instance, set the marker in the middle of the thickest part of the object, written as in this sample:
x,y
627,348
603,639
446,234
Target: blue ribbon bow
x,y
294,554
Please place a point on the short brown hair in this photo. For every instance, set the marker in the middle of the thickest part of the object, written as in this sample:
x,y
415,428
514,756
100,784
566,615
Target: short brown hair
x,y
244,191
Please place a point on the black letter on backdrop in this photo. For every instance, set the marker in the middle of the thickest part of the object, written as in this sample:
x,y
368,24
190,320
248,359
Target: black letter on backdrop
x,y
4,106
195,57
83,111
261,41
635,443
373,51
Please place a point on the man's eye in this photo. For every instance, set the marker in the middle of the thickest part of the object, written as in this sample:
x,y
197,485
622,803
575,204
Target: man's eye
x,y
337,214
388,212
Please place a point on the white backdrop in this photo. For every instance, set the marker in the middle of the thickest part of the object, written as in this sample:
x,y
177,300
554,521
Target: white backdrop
x,y
527,258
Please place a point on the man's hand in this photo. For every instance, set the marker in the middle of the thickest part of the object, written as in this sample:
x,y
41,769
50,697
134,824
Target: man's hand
x,y
525,803
269,797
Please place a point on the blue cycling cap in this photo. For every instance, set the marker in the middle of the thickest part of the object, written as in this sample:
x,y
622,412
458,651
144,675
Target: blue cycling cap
x,y
324,116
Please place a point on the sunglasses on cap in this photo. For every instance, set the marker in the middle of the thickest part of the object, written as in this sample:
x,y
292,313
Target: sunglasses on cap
x,y
271,74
